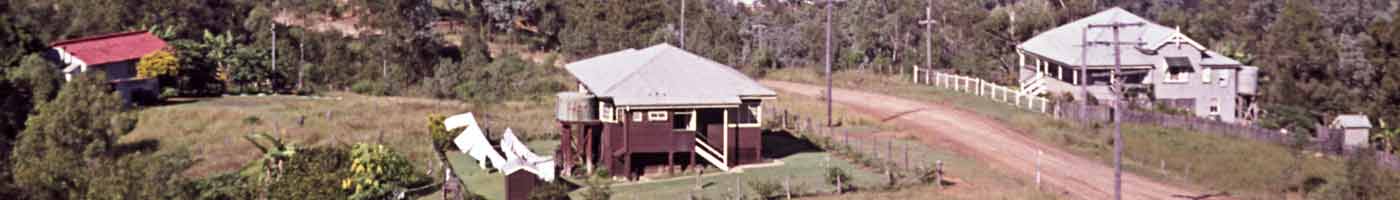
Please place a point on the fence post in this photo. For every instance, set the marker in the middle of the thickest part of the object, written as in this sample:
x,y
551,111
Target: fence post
x,y
787,186
915,76
1038,153
1043,103
938,174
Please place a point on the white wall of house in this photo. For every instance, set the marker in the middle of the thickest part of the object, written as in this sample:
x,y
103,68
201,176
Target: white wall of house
x,y
1213,95
1356,137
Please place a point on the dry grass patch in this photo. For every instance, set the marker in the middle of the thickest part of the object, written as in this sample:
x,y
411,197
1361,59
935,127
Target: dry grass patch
x,y
213,128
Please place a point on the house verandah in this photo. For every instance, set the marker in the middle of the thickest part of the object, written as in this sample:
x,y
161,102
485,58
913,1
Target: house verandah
x,y
659,109
1155,63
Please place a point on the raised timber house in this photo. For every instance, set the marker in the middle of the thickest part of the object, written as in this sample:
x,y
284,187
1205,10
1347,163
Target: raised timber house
x,y
1168,67
659,106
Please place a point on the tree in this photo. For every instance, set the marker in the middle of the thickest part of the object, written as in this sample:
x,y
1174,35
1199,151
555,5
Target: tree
x,y
157,64
75,130
1387,137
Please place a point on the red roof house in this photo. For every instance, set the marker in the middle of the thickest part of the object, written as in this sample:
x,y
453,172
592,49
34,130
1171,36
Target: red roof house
x,y
115,54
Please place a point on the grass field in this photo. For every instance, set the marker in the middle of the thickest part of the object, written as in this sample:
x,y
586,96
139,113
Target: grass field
x,y
213,128
1245,168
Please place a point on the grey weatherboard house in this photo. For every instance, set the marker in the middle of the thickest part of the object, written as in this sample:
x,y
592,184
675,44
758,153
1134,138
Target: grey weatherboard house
x,y
1177,70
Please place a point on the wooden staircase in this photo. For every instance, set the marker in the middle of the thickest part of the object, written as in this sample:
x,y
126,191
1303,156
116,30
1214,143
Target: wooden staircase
x,y
715,157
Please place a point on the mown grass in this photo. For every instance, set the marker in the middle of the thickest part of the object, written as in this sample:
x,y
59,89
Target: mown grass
x,y
213,128
1245,168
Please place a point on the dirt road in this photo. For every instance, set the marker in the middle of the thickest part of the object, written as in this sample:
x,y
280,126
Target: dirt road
x,y
990,140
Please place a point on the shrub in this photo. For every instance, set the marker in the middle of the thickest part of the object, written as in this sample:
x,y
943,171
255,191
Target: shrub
x,y
156,64
598,189
252,120
377,172
550,191
834,173
765,189
367,87
306,175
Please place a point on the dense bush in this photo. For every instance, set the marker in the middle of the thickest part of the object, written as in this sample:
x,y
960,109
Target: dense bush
x,y
836,175
369,87
311,174
377,172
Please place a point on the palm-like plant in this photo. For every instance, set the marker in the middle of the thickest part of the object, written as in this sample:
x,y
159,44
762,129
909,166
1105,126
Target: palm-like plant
x,y
1387,137
275,152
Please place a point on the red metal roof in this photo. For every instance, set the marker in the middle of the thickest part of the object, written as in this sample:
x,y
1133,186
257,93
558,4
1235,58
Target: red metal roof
x,y
110,48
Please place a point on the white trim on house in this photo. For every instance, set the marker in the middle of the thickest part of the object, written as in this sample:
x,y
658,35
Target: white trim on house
x,y
1177,38
690,126
656,116
73,65
606,112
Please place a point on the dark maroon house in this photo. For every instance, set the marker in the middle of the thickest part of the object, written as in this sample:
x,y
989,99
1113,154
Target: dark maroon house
x,y
659,106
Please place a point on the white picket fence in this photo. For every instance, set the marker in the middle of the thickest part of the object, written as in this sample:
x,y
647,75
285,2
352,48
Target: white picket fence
x,y
982,88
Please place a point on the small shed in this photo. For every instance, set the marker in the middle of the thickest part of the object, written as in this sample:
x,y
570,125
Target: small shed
x,y
1356,130
520,183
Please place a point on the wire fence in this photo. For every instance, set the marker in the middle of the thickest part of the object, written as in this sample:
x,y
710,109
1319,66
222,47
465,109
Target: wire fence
x,y
900,160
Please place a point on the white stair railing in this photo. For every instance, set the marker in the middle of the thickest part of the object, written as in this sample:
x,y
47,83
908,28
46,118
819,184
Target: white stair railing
x,y
703,149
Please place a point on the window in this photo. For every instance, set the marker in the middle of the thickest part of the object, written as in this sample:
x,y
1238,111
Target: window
x,y
1178,76
1205,76
1214,106
750,114
637,116
656,116
605,112
1179,69
683,121
1221,78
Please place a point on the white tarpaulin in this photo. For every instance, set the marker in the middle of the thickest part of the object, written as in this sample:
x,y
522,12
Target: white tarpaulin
x,y
473,142
521,158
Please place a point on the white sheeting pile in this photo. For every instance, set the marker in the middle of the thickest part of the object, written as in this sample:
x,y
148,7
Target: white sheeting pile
x,y
472,141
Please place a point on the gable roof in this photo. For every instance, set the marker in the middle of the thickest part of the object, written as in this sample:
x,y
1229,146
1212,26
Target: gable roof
x,y
103,49
1352,121
1063,43
664,75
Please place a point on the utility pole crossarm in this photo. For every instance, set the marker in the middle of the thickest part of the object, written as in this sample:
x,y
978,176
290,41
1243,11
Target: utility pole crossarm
x,y
928,23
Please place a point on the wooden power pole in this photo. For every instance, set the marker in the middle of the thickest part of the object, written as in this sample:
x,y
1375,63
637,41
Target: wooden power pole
x,y
1116,86
928,23
682,24
827,55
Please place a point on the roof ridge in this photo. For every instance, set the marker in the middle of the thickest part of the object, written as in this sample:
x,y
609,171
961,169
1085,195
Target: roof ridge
x,y
634,71
97,37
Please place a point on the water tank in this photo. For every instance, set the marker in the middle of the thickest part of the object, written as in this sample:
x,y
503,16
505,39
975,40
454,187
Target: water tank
x,y
576,107
1248,80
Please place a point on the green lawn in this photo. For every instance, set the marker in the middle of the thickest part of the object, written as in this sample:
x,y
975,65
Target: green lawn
x,y
806,170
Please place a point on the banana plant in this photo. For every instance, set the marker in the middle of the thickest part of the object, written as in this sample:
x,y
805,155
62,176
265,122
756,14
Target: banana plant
x,y
1387,137
275,151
